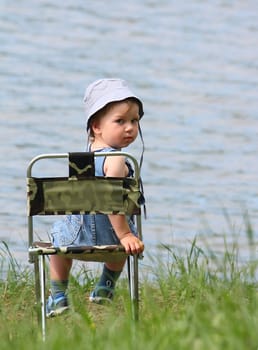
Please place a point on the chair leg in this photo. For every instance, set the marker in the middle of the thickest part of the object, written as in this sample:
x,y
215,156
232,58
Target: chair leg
x,y
133,278
37,285
42,281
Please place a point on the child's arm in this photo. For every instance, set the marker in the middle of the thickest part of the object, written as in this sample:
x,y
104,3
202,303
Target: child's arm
x,y
115,166
129,241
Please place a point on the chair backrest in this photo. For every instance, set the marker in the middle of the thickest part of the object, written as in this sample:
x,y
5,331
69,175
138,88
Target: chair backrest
x,y
81,192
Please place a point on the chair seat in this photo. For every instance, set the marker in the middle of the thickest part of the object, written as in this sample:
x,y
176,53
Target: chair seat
x,y
100,253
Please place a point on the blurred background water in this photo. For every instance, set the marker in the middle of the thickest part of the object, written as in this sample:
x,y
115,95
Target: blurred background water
x,y
195,66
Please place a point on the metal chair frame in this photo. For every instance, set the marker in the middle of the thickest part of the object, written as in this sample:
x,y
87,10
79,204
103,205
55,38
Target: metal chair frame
x,y
39,250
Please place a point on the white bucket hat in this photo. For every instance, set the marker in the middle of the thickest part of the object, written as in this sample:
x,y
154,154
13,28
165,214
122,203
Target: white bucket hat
x,y
103,91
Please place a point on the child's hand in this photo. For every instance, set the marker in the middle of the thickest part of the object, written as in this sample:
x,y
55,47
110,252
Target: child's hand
x,y
132,244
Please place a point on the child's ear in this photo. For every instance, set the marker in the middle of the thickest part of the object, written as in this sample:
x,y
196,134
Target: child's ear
x,y
95,127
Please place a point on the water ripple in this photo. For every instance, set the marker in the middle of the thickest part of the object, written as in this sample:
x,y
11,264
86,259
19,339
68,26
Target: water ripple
x,y
195,65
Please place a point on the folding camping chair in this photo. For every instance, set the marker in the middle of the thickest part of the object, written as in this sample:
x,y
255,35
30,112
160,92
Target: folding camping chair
x,y
82,193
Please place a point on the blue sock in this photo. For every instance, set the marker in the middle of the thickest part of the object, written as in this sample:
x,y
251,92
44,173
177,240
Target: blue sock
x,y
107,282
58,288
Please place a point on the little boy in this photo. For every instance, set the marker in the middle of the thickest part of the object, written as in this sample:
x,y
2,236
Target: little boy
x,y
113,113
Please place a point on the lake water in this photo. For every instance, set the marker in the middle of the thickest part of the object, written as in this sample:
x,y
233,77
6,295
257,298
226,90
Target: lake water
x,y
195,66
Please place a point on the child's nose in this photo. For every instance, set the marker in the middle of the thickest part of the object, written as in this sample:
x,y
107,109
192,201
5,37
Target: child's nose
x,y
129,126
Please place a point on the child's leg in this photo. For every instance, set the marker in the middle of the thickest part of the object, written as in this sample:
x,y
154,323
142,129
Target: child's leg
x,y
59,267
59,274
118,266
106,285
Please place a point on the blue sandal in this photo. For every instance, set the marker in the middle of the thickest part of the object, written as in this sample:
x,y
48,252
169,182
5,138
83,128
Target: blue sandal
x,y
101,295
56,306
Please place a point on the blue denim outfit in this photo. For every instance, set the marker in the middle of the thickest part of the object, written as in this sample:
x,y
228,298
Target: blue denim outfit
x,y
93,229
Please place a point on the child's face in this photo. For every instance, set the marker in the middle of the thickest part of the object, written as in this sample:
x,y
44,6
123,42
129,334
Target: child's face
x,y
118,127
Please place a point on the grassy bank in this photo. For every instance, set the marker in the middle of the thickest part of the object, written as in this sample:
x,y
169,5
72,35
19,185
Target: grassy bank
x,y
191,301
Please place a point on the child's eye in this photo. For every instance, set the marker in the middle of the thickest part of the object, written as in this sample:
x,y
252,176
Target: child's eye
x,y
120,121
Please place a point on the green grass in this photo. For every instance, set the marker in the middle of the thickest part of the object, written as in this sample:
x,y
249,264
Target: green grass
x,y
190,300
